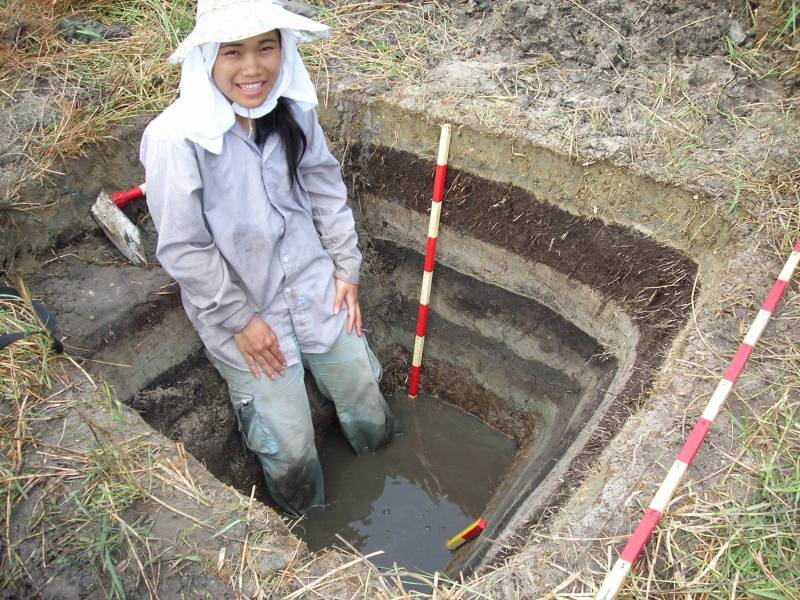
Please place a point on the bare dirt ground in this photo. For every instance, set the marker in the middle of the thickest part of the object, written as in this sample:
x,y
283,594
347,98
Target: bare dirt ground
x,y
675,90
698,95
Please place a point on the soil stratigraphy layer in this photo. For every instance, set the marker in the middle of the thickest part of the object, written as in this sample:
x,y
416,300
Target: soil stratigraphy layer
x,y
652,282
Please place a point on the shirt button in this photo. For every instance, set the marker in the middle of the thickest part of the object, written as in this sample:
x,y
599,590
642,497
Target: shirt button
x,y
288,290
285,259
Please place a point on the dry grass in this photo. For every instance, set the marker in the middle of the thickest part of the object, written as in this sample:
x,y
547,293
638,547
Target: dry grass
x,y
91,89
23,365
740,537
95,532
24,374
376,43
88,89
739,541
733,528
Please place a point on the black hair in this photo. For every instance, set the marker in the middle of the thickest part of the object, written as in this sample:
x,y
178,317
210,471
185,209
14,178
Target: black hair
x,y
281,121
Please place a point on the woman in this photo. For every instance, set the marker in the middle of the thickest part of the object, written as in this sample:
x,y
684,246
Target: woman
x,y
252,222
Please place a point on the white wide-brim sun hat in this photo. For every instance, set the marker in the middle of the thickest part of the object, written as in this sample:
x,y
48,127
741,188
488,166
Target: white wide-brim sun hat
x,y
230,20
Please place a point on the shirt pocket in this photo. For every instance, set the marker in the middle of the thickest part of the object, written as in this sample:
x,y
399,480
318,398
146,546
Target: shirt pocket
x,y
255,428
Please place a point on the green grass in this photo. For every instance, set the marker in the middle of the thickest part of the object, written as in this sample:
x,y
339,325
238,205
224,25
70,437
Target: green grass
x,y
790,18
758,529
84,516
102,537
764,529
775,51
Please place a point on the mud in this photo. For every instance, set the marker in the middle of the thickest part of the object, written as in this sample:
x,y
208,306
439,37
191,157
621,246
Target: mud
x,y
190,403
652,280
98,301
410,497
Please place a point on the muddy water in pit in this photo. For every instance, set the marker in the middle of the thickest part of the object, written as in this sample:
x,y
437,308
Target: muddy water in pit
x,y
410,497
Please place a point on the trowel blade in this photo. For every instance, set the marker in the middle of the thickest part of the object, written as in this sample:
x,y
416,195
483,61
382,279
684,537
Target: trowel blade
x,y
119,229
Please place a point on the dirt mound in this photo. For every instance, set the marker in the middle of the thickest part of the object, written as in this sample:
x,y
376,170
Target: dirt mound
x,y
614,32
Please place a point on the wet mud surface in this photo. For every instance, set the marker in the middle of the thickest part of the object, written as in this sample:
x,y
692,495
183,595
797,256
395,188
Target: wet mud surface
x,y
406,499
190,403
96,300
458,387
413,495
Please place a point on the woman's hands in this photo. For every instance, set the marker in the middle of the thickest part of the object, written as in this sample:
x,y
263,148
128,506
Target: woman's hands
x,y
348,293
259,346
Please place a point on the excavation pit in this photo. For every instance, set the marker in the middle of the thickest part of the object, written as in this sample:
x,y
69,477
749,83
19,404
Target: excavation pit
x,y
547,324
516,365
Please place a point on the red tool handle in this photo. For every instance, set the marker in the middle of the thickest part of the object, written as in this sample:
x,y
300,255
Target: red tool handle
x,y
124,198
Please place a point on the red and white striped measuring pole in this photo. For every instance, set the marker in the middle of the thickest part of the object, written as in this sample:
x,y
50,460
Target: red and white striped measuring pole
x,y
616,577
430,257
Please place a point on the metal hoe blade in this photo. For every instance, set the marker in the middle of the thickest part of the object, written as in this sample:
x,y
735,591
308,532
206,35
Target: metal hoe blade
x,y
119,229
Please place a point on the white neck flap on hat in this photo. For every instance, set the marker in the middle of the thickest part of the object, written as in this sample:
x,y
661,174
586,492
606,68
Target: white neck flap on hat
x,y
207,114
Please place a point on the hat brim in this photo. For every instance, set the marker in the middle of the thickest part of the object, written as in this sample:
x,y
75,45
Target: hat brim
x,y
251,18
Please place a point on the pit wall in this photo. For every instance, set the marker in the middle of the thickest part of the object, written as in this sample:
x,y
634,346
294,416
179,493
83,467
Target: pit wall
x,y
563,430
683,225
671,216
515,364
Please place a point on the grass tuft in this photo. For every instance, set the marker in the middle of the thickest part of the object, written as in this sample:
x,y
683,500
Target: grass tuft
x,y
741,540
89,89
24,375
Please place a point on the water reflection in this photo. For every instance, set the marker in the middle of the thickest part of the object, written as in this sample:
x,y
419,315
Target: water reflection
x,y
408,499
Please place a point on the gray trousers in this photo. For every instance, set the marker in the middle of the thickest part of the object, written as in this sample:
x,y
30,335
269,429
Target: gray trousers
x,y
275,419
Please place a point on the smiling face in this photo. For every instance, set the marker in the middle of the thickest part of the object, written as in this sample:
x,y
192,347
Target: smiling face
x,y
246,70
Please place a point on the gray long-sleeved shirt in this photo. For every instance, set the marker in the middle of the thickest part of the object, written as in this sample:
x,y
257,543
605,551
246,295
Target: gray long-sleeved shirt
x,y
242,241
